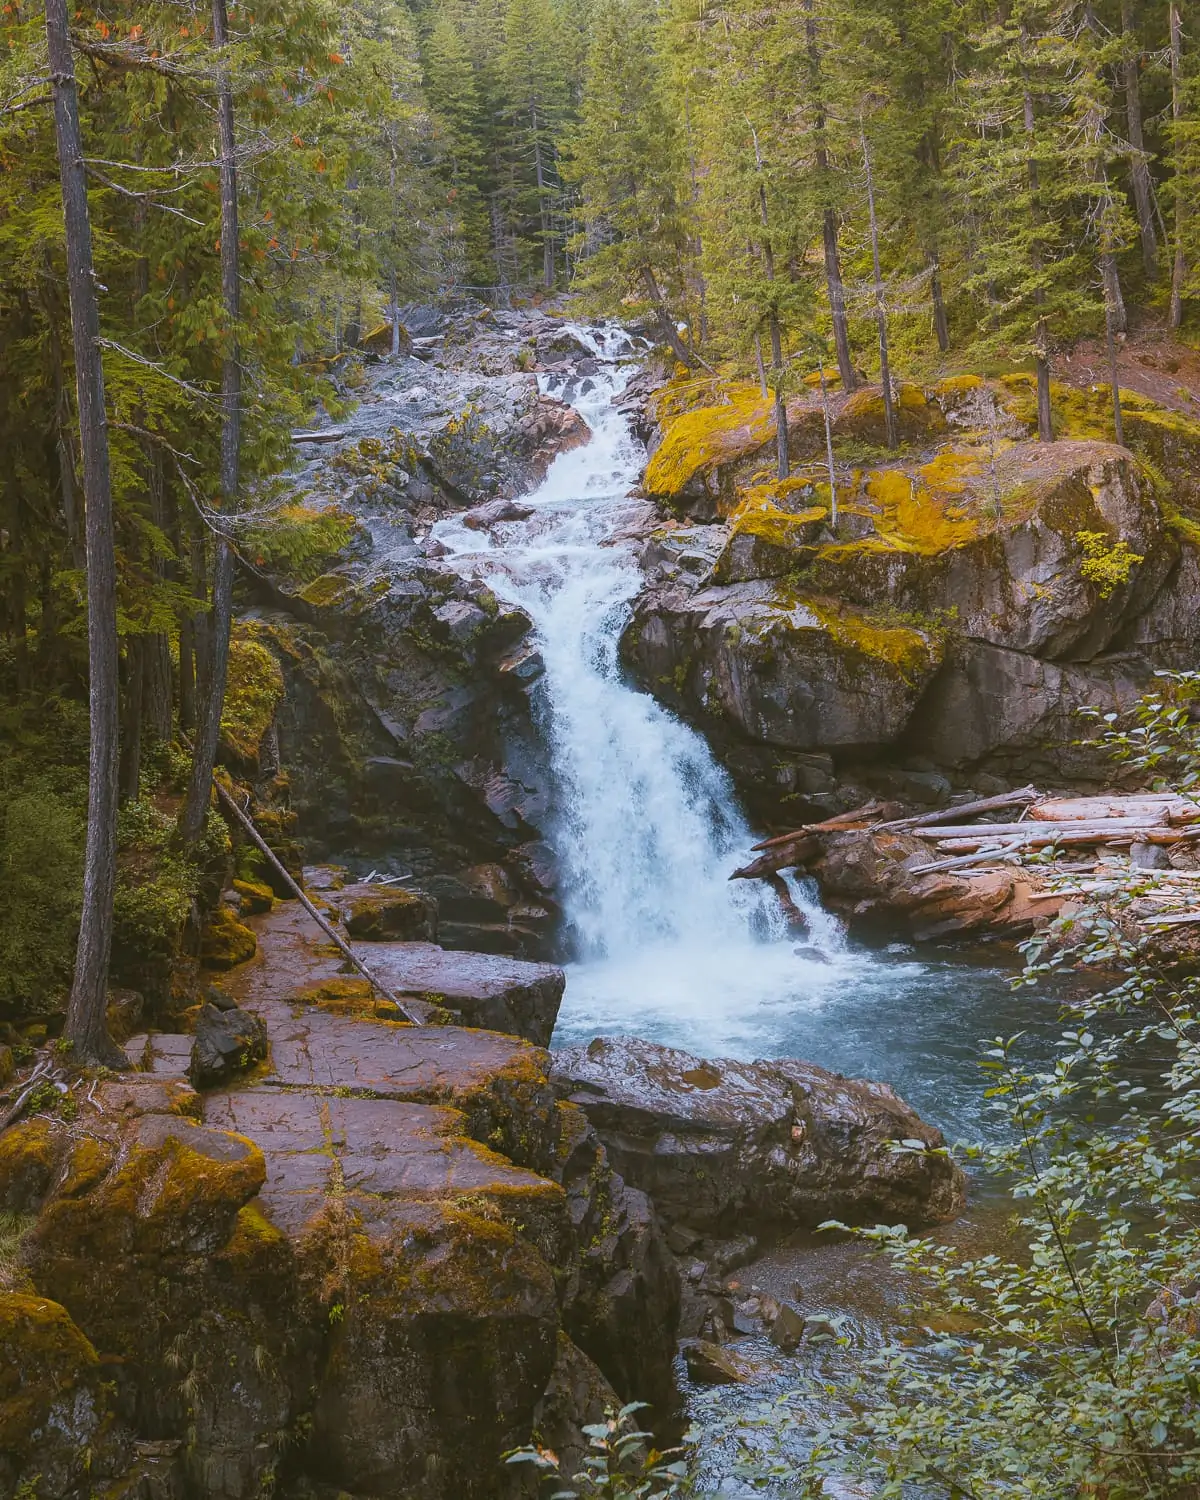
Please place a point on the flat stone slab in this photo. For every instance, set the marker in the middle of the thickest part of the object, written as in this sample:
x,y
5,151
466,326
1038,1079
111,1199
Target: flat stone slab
x,y
482,989
318,1146
312,1049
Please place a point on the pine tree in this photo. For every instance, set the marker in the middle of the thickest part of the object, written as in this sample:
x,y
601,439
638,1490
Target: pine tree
x,y
1013,167
85,1024
533,72
456,108
626,157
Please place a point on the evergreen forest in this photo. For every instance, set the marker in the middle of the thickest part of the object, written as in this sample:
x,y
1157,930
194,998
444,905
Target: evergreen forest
x,y
219,221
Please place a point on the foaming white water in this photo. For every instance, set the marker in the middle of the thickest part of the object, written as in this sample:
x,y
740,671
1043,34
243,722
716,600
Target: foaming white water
x,y
648,828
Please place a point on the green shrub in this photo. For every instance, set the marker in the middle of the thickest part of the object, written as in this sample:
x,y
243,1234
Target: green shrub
x,y
1074,1370
299,541
41,872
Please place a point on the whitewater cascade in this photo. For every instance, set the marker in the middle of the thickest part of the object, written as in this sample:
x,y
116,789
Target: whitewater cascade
x,y
647,826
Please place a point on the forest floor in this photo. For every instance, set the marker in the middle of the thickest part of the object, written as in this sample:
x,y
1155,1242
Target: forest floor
x,y
1151,361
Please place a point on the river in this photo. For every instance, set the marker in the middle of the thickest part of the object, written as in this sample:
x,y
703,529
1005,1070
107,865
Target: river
x,y
647,830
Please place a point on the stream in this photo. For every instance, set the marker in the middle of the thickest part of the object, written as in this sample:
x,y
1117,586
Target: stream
x,y
664,946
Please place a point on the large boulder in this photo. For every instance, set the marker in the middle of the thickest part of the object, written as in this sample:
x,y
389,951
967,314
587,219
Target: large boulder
x,y
723,1145
477,989
1049,550
383,913
398,1248
779,667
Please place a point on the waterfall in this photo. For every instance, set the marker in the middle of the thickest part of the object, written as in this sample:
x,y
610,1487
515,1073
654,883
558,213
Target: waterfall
x,y
647,826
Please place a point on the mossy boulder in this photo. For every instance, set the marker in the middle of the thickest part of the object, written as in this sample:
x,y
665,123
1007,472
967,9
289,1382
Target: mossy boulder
x,y
709,426
766,538
386,913
53,1408
253,692
783,668
226,942
31,1153
254,896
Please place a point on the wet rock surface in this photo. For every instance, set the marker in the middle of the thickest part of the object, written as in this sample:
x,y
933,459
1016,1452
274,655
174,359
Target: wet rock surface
x,y
492,991
724,1145
403,731
390,1242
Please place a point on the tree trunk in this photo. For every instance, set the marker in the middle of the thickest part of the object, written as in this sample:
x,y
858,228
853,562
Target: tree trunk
x,y
881,322
1041,355
833,502
1114,383
543,206
941,324
208,731
62,433
764,389
85,1024
783,463
156,668
1143,185
1179,259
666,322
829,231
394,312
131,717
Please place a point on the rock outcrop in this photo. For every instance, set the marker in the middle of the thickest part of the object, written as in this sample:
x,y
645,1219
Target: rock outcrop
x,y
724,1147
374,1267
975,594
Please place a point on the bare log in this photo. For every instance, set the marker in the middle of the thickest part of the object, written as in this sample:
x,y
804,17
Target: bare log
x,y
964,810
1100,826
334,937
797,849
1091,809
860,816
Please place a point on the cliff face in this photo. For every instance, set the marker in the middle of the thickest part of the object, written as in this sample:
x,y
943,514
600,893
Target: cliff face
x,y
977,590
381,1259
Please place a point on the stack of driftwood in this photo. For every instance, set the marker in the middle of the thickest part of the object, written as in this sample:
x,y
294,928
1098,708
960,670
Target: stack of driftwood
x,y
1107,838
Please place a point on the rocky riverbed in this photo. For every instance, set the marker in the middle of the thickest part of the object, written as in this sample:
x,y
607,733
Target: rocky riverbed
x,y
304,1246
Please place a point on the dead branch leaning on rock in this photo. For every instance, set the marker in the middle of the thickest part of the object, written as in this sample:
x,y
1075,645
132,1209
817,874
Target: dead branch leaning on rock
x,y
264,848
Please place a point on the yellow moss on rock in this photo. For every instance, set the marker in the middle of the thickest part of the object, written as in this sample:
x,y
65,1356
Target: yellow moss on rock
x,y
44,1357
256,897
253,692
226,942
899,646
178,1187
30,1154
916,518
699,440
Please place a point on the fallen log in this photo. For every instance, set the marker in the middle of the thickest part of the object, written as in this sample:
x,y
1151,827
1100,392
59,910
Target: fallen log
x,y
840,822
320,435
981,856
334,937
1043,838
964,810
1001,830
1093,809
798,851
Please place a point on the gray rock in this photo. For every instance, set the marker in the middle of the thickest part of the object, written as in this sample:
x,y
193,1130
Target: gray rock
x,y
726,1144
787,1329
761,659
708,1364
224,1043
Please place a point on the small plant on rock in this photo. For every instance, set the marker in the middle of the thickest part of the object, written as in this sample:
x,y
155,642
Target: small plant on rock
x,y
621,1463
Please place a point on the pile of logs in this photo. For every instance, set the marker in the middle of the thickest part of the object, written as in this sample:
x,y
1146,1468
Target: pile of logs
x,y
970,834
